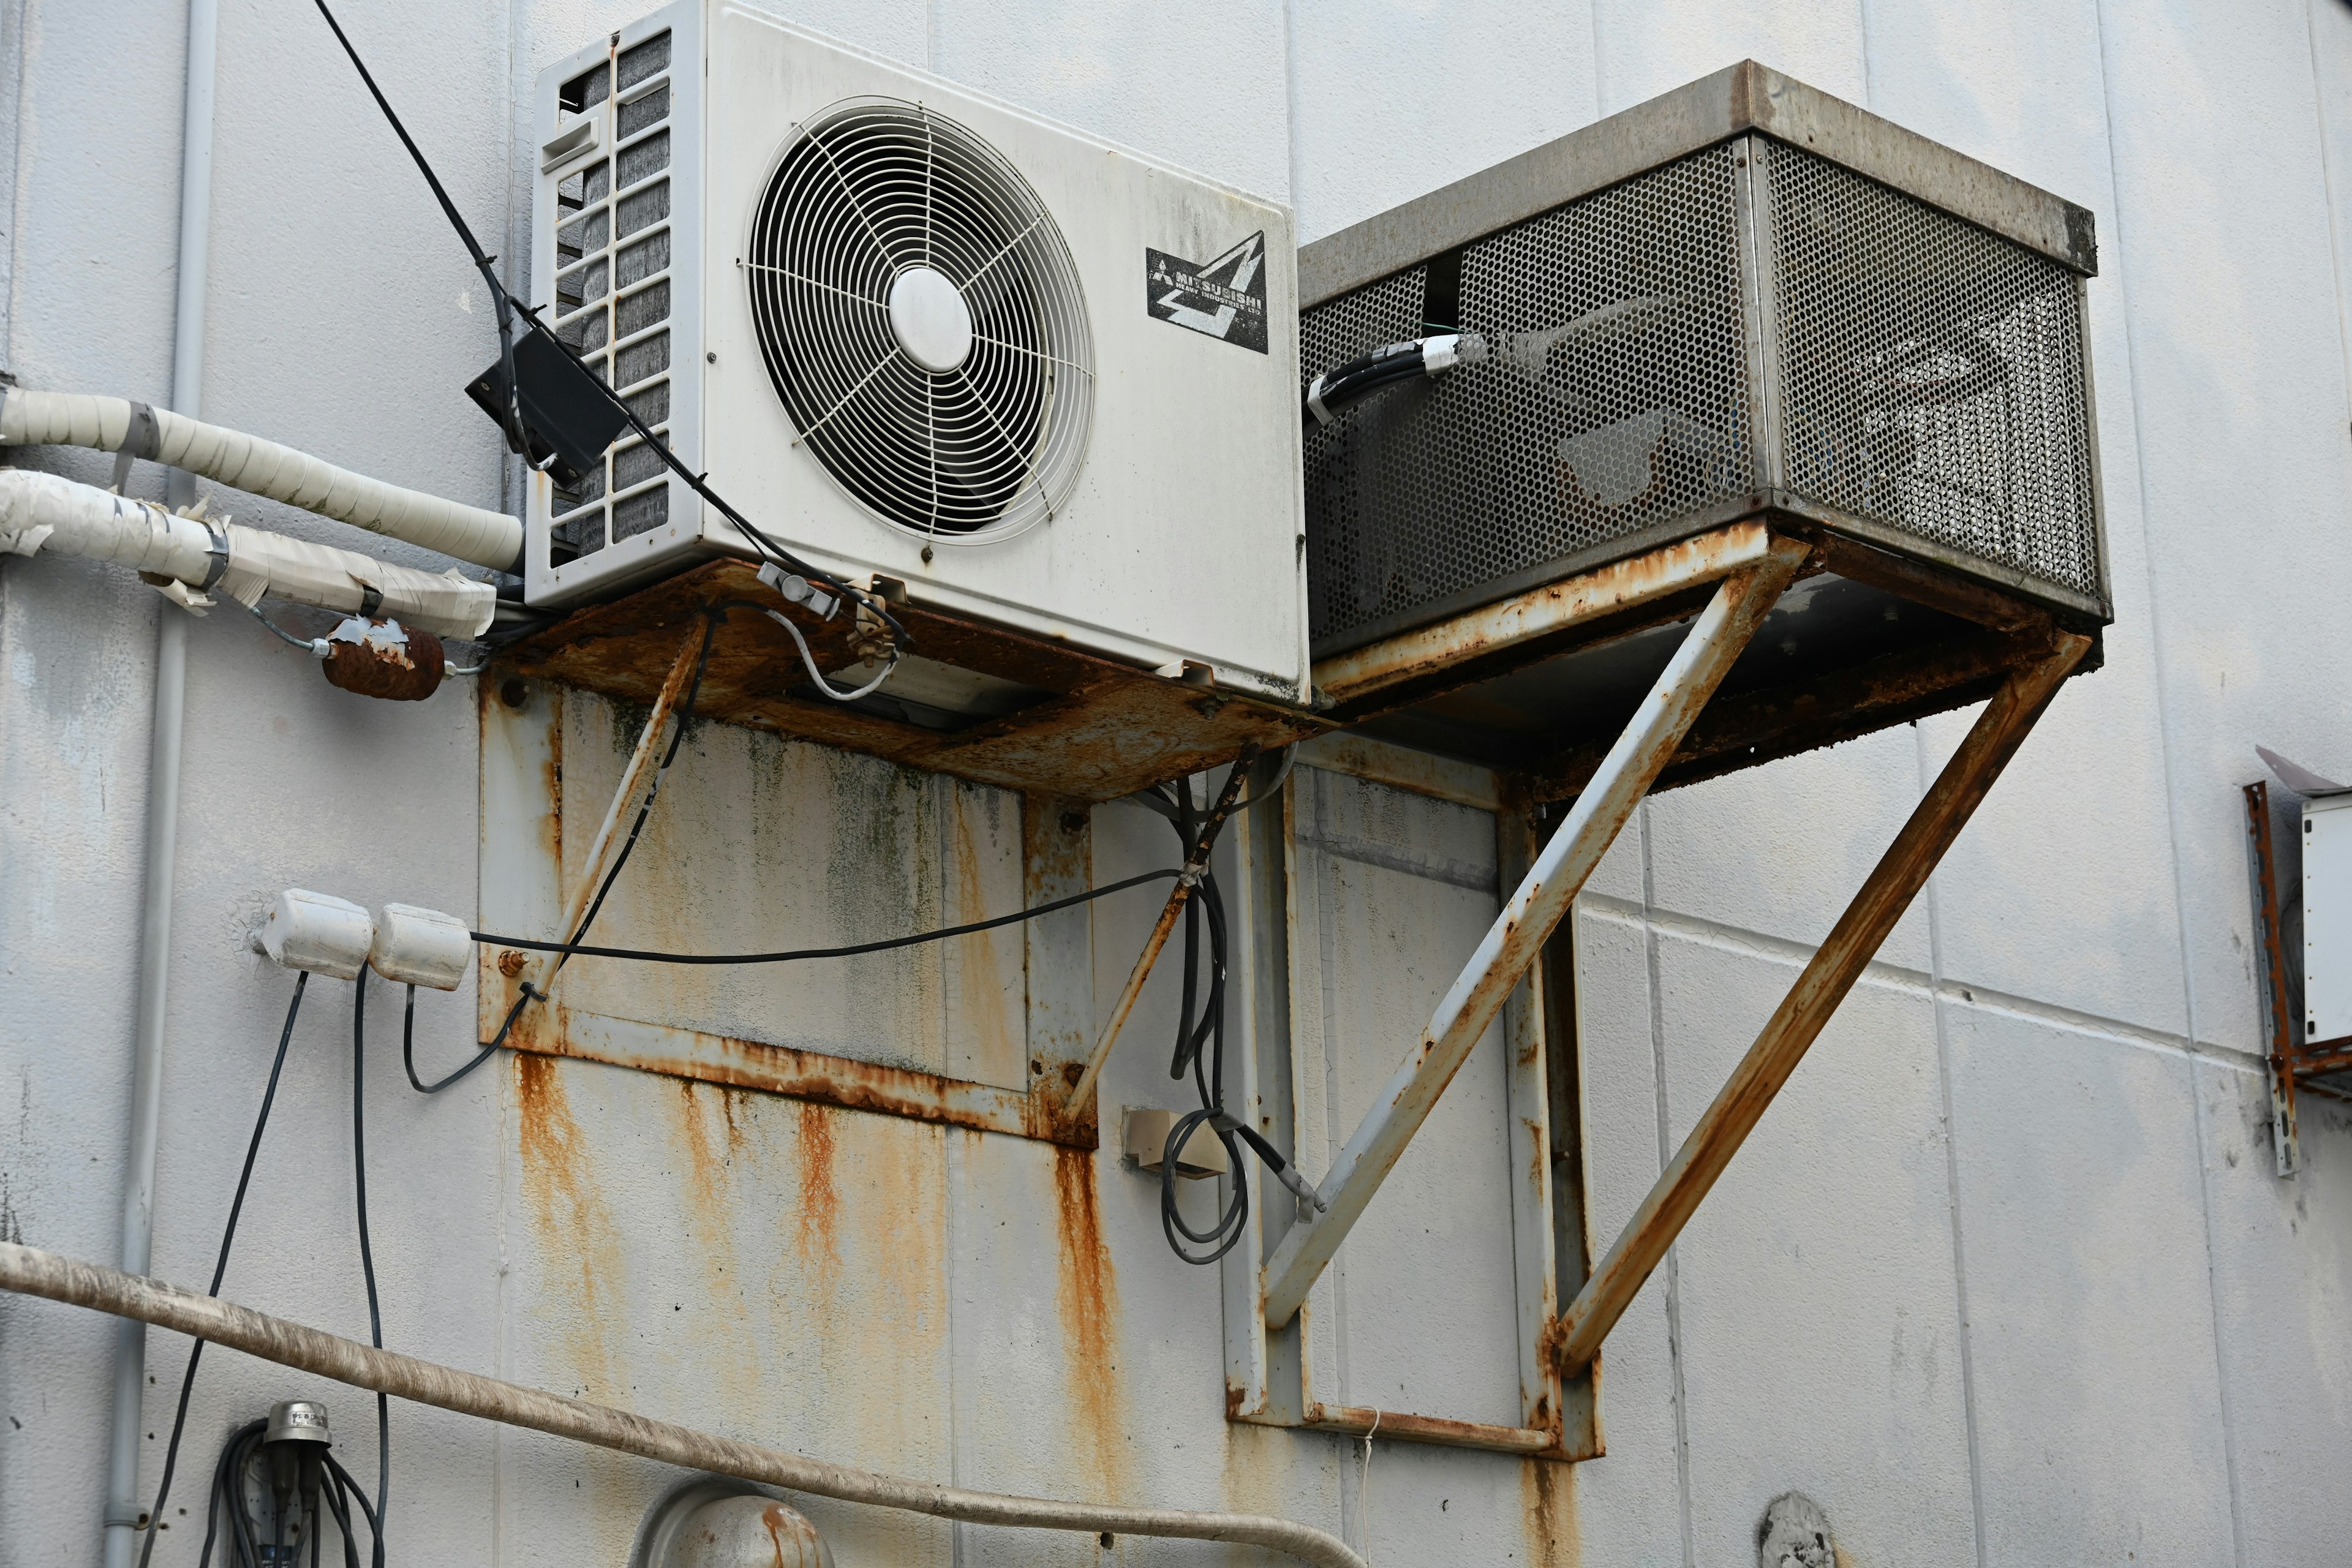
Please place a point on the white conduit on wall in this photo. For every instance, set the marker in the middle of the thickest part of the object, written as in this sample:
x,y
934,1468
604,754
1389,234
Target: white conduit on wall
x,y
261,467
32,1273
121,1516
44,511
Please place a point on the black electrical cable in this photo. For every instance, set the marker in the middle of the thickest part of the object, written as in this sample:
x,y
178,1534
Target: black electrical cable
x,y
489,1048
336,1494
1208,1068
346,1492
851,951
507,311
512,422
367,1252
220,1268
1198,1020
565,951
228,1491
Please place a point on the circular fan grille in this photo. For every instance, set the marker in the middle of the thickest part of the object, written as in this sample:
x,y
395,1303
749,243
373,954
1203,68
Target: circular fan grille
x,y
964,411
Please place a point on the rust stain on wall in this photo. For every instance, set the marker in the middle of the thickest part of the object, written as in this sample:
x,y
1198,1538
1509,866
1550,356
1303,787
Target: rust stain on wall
x,y
983,1010
569,1217
705,1166
1256,1472
1547,1491
1086,1292
820,1193
709,1207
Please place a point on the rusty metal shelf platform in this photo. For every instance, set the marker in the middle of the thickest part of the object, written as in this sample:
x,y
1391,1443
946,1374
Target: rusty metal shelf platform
x,y
1081,728
1536,686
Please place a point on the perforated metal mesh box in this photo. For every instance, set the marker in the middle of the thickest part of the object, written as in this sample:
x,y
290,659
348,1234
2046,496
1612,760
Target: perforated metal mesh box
x,y
1744,297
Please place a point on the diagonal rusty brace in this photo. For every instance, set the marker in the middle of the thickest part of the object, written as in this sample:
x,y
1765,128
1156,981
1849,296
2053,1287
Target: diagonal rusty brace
x,y
1888,890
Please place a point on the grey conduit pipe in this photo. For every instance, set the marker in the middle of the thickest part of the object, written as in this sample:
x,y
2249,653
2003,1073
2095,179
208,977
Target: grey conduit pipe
x,y
162,816
32,1273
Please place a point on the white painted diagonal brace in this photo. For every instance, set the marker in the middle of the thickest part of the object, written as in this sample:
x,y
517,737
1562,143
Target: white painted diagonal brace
x,y
1625,774
635,779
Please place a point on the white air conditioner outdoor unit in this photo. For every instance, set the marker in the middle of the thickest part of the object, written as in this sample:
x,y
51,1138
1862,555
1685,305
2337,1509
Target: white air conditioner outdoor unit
x,y
911,332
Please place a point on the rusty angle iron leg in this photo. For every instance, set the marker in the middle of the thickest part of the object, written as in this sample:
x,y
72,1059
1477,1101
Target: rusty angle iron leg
x,y
1194,864
2285,1144
1888,892
634,778
1714,640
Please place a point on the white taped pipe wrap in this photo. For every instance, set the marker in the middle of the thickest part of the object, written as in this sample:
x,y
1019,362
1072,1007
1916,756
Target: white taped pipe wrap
x,y
44,511
334,579
266,468
32,1273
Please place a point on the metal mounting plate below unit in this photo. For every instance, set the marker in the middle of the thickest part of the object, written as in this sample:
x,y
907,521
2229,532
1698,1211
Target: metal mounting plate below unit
x,y
1536,685
1041,716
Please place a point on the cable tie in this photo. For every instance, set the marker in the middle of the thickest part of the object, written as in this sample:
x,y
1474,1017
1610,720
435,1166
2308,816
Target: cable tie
x,y
216,548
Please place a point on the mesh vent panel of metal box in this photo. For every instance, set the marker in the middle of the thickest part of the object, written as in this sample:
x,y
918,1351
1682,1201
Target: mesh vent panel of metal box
x,y
1615,400
1931,374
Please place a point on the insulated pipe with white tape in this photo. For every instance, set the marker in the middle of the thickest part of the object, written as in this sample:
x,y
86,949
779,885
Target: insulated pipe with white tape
x,y
45,512
262,467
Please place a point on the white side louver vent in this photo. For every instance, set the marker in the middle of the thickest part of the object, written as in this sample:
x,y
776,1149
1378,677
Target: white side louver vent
x,y
615,293
921,320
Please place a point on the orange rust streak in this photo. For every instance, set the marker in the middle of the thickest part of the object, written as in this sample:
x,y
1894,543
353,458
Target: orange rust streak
x,y
707,1165
984,1000
1554,1537
1086,1292
819,1195
567,1210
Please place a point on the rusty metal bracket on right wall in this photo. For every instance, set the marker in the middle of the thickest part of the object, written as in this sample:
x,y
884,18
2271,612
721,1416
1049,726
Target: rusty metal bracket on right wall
x,y
2291,1068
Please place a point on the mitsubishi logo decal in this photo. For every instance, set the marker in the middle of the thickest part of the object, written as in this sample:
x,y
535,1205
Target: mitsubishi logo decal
x,y
1223,298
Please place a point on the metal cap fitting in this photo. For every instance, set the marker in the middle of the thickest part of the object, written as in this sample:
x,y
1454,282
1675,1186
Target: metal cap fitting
x,y
297,1421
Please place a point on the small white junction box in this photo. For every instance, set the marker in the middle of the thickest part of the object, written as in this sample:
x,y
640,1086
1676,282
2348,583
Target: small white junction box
x,y
2327,917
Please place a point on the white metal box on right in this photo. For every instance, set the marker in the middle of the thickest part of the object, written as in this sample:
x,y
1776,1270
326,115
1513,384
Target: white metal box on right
x,y
2327,918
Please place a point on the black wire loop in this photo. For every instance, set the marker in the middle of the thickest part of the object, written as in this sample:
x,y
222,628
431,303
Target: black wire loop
x,y
1200,1044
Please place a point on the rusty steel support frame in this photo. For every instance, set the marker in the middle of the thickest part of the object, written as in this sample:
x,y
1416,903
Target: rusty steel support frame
x,y
1834,967
1438,652
1715,641
1279,1378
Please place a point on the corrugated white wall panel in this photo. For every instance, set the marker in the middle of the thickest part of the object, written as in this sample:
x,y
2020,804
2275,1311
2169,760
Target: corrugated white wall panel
x,y
2085,1241
2150,1312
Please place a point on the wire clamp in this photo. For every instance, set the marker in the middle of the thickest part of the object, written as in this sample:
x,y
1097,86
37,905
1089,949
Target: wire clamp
x,y
798,589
